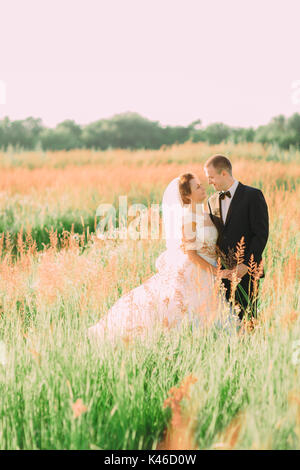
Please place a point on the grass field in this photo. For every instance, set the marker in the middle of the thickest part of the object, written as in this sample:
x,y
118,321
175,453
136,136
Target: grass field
x,y
208,390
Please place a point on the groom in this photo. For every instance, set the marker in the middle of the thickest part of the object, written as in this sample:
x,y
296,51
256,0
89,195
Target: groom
x,y
238,211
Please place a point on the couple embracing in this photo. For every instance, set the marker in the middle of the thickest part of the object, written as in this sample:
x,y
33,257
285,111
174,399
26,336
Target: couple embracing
x,y
212,264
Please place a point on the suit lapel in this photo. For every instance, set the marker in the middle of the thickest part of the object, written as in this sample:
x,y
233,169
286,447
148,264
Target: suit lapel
x,y
214,210
235,201
220,209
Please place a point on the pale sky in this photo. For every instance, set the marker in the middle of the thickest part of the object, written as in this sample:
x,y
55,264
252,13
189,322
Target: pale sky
x,y
172,61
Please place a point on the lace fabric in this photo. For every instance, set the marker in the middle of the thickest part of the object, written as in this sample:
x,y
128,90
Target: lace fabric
x,y
204,239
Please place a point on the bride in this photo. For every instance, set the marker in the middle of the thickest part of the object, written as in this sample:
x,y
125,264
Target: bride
x,y
184,286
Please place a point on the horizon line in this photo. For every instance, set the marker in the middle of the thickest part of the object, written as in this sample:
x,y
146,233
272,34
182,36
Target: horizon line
x,y
122,113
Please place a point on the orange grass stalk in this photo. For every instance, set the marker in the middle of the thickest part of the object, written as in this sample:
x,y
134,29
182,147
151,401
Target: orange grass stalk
x,y
240,251
1,244
179,435
294,401
228,439
78,408
289,318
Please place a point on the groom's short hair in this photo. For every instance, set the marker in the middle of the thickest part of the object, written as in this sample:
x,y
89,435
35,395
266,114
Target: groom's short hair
x,y
219,162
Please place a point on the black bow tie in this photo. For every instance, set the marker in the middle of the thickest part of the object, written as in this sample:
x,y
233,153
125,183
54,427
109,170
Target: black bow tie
x,y
223,194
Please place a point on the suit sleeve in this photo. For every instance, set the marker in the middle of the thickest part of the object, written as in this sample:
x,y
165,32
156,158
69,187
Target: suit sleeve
x,y
259,225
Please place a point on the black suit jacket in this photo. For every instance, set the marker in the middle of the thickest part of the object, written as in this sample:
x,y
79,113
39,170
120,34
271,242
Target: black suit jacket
x,y
247,217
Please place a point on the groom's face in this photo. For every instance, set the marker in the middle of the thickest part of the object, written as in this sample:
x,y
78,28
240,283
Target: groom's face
x,y
218,180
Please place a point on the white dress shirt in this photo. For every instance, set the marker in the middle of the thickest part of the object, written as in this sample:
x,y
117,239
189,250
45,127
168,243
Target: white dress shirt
x,y
225,203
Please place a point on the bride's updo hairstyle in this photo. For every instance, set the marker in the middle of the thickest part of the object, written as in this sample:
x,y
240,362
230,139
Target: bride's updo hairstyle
x,y
185,187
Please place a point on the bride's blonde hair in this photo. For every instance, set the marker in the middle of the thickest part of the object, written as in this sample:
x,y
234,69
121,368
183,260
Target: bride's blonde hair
x,y
185,187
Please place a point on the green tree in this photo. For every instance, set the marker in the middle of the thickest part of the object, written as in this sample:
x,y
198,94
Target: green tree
x,y
216,133
66,136
21,133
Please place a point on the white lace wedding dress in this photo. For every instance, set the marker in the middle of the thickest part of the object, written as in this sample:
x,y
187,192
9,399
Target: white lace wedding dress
x,y
180,290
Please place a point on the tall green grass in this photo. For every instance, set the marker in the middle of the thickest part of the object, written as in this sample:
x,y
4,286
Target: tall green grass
x,y
48,362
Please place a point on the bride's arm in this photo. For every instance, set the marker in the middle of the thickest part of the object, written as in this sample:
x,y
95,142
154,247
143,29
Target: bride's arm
x,y
188,231
197,259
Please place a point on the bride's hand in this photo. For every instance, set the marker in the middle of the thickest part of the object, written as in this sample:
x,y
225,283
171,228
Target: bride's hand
x,y
228,274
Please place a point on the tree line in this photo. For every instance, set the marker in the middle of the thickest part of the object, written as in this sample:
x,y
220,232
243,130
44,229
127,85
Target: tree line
x,y
133,131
